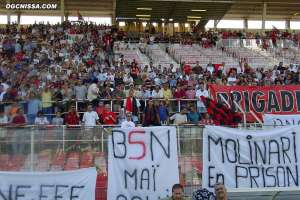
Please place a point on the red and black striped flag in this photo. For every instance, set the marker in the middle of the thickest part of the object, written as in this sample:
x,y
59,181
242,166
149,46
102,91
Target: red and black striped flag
x,y
220,113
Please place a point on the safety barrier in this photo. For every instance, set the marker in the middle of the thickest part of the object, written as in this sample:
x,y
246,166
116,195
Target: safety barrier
x,y
80,104
55,148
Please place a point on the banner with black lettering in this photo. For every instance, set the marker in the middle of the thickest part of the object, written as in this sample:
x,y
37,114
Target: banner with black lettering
x,y
142,163
251,159
66,185
260,99
281,120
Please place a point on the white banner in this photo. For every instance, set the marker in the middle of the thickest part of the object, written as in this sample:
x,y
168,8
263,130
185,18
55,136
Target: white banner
x,y
142,163
66,185
281,120
251,159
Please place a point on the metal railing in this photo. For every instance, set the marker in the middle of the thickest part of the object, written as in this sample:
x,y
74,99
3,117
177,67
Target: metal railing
x,y
56,148
80,105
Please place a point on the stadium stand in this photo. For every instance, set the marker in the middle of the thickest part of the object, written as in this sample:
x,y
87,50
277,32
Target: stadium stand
x,y
49,74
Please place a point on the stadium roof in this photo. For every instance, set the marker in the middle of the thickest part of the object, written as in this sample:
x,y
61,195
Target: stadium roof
x,y
179,10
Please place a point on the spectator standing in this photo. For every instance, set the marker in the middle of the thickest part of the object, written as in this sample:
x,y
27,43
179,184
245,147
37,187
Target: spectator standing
x,y
180,118
57,120
199,93
108,117
72,118
47,103
90,117
41,119
132,105
18,121
151,114
93,92
163,113
128,123
100,109
193,116
190,93
33,106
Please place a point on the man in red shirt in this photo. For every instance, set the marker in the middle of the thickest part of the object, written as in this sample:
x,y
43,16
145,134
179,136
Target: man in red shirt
x,y
100,109
72,117
18,136
108,117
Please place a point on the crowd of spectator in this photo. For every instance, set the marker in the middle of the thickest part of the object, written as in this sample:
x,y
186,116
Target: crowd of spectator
x,y
44,69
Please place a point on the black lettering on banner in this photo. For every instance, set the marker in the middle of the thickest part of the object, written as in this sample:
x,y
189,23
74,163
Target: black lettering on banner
x,y
231,151
258,104
271,175
294,144
246,101
146,178
210,184
165,149
273,102
285,149
287,101
114,132
224,95
9,195
259,153
154,178
282,176
294,178
57,196
41,191
249,137
220,178
236,97
274,151
121,196
239,154
275,123
136,198
73,196
253,175
298,100
19,187
133,175
263,176
239,174
219,140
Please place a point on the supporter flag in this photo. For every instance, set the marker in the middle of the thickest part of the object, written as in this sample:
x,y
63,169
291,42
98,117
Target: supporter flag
x,y
221,114
80,18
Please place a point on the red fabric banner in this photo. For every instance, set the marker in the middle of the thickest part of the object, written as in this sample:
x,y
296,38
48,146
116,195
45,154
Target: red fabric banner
x,y
260,99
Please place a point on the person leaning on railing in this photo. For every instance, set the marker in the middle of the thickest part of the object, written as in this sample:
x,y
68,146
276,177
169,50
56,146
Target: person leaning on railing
x,y
18,121
72,117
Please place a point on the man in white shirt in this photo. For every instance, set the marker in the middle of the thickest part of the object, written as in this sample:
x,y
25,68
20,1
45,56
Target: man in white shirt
x,y
157,93
90,118
180,118
93,91
201,92
41,119
128,123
